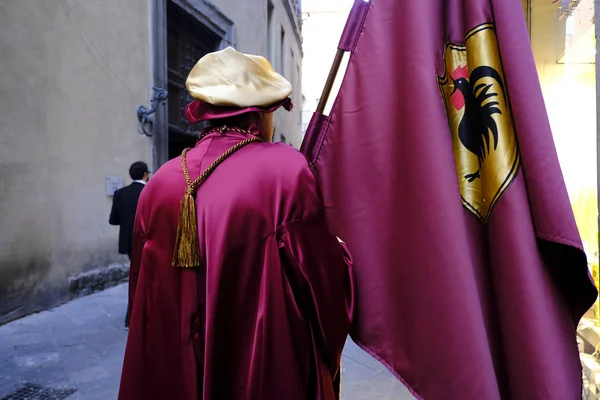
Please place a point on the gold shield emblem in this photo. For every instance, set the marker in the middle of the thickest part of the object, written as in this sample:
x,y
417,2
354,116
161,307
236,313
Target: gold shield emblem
x,y
481,123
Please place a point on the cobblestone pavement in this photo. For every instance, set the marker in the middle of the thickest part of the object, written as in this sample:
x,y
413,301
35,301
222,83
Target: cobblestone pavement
x,y
79,346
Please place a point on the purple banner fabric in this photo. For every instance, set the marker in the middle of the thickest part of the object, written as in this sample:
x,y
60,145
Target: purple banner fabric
x,y
438,169
354,25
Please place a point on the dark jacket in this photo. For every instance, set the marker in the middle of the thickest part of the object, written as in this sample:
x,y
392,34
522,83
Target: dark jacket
x,y
122,214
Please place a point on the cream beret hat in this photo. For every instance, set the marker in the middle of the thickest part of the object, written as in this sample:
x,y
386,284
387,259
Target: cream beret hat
x,y
230,78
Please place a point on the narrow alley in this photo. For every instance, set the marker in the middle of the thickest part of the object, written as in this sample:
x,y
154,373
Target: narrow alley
x,y
75,351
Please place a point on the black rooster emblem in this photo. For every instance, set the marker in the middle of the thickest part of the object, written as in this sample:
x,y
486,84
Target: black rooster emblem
x,y
478,129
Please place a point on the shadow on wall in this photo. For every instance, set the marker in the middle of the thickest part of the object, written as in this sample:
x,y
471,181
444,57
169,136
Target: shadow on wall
x,y
29,286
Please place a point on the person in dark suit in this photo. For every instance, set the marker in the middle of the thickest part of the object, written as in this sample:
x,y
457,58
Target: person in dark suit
x,y
124,205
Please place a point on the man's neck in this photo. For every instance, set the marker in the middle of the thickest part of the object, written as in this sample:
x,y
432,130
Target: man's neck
x,y
143,182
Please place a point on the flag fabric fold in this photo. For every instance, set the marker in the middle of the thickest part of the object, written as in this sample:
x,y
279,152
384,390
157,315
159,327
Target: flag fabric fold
x,y
438,169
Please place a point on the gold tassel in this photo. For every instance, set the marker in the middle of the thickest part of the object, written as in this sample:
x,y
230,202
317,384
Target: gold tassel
x,y
187,245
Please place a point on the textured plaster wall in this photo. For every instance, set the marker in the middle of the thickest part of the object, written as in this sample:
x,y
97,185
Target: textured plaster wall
x,y
72,73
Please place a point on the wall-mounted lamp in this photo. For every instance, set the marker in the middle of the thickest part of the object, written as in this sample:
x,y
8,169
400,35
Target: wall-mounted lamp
x,y
144,114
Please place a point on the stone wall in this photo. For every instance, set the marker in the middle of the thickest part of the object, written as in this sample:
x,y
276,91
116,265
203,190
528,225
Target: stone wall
x,y
73,74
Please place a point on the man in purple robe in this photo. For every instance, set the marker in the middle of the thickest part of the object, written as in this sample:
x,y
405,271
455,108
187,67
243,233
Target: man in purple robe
x,y
238,289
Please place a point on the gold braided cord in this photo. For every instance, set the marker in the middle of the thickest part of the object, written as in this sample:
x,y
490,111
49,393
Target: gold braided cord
x,y
186,253
192,187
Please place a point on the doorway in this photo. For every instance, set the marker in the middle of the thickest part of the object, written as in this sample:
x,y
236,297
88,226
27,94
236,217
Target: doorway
x,y
182,32
188,40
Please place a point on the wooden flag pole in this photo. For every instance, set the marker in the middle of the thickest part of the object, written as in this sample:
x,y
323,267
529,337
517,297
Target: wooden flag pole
x,y
335,67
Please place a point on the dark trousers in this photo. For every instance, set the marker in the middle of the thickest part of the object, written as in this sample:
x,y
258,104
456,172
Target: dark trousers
x,y
127,316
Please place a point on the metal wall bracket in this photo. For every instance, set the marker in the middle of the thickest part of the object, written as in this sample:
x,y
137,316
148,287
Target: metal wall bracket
x,y
144,114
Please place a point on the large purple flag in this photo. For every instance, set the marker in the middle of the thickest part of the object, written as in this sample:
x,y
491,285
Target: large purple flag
x,y
438,168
